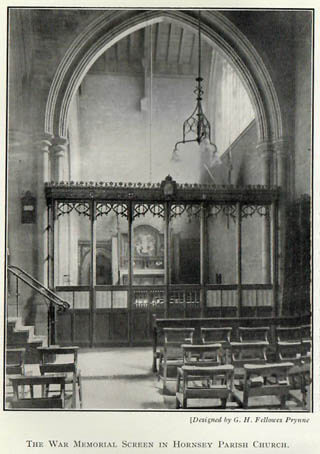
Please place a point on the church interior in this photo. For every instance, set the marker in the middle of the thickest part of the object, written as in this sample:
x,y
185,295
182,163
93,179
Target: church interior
x,y
159,167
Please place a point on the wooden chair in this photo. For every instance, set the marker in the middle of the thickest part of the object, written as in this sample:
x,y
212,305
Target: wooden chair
x,y
243,353
188,376
220,335
296,349
274,381
306,342
171,357
289,351
70,368
36,399
254,334
305,367
15,360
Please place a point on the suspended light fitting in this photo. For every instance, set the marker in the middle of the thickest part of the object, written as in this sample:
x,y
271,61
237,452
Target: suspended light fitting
x,y
197,125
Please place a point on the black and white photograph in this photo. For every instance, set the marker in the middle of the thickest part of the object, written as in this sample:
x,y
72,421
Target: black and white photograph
x,y
159,194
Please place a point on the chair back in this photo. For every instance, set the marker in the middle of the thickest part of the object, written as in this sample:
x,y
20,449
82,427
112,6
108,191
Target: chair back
x,y
279,371
254,334
57,368
55,353
306,333
15,360
60,359
294,343
306,336
202,355
212,335
288,333
248,352
174,338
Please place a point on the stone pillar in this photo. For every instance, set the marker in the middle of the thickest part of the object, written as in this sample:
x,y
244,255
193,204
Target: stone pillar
x,y
60,152
44,145
281,150
265,151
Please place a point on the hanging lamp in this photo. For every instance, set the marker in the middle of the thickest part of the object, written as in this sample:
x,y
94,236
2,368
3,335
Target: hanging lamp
x,y
197,126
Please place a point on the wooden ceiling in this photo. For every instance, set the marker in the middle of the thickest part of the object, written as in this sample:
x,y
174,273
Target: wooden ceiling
x,y
174,50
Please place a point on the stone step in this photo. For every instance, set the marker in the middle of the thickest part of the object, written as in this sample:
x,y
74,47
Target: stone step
x,y
22,336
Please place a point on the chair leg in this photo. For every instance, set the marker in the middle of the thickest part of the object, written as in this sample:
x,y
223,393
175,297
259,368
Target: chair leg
x,y
164,386
223,403
283,399
184,402
80,390
74,391
245,400
177,403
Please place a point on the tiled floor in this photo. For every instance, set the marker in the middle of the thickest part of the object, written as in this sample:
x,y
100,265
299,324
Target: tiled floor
x,y
121,378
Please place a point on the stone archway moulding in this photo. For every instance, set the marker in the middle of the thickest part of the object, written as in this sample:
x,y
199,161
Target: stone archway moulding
x,y
111,26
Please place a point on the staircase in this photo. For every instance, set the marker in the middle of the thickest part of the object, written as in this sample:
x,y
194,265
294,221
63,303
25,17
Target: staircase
x,y
23,336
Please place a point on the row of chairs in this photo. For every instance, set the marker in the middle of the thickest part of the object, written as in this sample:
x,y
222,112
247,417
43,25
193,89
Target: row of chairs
x,y
55,385
201,376
244,364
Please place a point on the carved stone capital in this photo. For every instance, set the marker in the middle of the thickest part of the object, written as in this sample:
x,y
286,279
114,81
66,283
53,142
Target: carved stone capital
x,y
59,146
59,150
44,143
264,150
59,140
281,148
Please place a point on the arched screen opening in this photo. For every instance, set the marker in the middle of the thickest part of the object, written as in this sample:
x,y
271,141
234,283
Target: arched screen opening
x,y
129,110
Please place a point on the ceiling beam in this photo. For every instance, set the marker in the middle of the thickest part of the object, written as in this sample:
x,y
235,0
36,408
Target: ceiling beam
x,y
182,38
156,41
169,42
193,48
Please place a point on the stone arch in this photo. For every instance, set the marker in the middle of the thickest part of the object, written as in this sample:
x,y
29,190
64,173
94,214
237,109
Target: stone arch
x,y
114,25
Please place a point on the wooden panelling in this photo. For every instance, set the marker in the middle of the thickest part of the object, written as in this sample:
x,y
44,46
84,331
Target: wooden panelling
x,y
82,327
64,328
102,327
120,326
140,324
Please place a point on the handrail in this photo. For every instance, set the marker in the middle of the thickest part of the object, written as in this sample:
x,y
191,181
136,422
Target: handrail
x,y
44,291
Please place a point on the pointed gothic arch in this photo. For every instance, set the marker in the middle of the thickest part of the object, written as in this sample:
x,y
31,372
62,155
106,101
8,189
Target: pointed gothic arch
x,y
111,26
